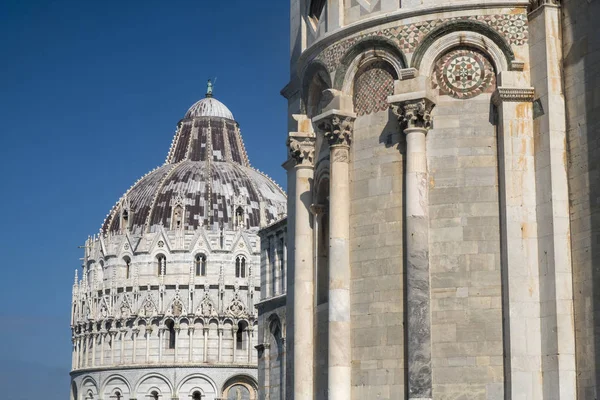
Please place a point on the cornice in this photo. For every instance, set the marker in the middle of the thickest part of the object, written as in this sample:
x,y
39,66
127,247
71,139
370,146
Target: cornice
x,y
103,368
378,20
510,94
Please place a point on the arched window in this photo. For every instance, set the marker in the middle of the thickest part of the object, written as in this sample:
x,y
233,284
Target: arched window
x,y
316,9
161,264
125,219
239,336
239,217
154,395
200,265
177,217
171,335
127,262
240,267
196,395
118,395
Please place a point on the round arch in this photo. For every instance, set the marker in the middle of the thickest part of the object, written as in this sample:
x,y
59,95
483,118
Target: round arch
x,y
244,380
315,79
364,52
462,33
117,377
150,376
197,376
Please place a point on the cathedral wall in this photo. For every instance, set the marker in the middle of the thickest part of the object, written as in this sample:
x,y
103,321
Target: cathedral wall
x,y
465,268
167,383
376,255
581,50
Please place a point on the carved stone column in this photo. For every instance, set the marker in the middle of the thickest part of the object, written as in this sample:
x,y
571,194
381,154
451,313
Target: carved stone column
x,y
191,344
113,335
177,330
234,342
301,147
415,115
135,331
161,331
205,344
220,334
94,335
147,334
337,128
102,338
122,351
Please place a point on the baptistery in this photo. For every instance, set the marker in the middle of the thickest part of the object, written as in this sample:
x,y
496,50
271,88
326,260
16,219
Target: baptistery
x,y
164,305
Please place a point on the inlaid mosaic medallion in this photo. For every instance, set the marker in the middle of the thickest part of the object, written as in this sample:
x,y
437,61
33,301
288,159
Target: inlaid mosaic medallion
x,y
464,74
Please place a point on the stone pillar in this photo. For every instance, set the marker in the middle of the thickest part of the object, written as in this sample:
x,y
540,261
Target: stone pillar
x,y
249,333
177,329
415,115
301,147
234,342
148,333
205,344
122,352
191,344
283,368
83,352
220,334
554,229
518,235
102,337
78,357
267,357
134,332
337,128
113,334
160,343
93,337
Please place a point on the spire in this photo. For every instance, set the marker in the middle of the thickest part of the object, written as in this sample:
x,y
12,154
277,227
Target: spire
x,y
209,89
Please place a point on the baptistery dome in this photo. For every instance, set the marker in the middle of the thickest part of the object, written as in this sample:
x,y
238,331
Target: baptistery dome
x,y
165,304
207,175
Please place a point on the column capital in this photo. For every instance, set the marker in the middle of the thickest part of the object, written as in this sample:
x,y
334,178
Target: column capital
x,y
317,209
301,148
337,126
413,113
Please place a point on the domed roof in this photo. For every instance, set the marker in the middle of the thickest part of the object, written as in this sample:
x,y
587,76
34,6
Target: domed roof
x,y
206,181
209,107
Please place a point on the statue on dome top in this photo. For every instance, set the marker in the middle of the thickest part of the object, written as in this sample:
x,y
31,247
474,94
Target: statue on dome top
x,y
209,89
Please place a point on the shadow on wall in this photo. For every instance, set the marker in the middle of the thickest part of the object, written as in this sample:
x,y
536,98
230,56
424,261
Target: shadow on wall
x,y
581,48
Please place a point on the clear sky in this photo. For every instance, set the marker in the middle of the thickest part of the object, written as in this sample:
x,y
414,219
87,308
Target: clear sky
x,y
90,94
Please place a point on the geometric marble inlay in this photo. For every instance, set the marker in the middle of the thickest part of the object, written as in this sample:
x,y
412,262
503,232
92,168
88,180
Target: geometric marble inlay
x,y
464,74
372,88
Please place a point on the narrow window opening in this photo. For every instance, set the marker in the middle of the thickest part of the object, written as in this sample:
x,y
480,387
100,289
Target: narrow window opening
x,y
316,9
177,217
161,265
239,336
200,265
197,395
239,217
171,335
127,261
154,395
240,267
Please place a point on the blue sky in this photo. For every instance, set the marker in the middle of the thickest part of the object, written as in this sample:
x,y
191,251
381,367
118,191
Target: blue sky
x,y
90,93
